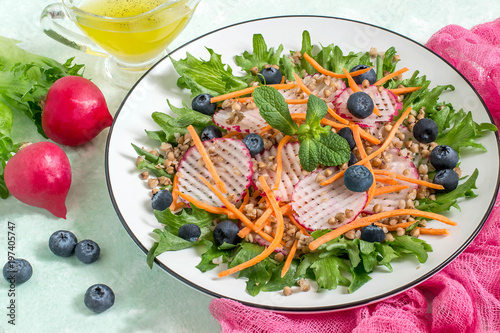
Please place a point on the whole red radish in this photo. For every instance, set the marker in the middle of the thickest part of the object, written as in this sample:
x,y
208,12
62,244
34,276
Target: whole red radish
x,y
40,175
74,111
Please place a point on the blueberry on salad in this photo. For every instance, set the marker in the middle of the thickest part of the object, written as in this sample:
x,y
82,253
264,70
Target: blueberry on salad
x,y
17,271
226,232
352,159
190,232
201,103
371,76
358,178
372,233
99,298
62,243
210,132
448,178
360,105
161,200
425,130
87,251
346,133
443,157
254,143
270,75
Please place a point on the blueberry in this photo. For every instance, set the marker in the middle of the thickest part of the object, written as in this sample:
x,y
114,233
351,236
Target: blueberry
x,y
425,130
371,76
161,200
17,271
352,159
254,143
87,251
99,298
443,157
346,133
62,243
448,178
360,105
358,178
226,232
270,76
210,132
201,103
189,232
372,233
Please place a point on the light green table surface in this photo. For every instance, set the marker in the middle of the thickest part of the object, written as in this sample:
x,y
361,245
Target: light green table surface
x,y
148,300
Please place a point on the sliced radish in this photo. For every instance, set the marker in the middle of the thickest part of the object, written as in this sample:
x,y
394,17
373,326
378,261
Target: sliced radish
x,y
233,163
251,123
314,204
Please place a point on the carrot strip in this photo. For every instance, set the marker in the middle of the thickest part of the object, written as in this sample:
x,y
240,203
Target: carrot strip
x,y
324,71
409,179
354,86
204,206
297,224
244,99
258,223
385,180
367,220
396,226
279,161
384,145
289,258
400,91
276,241
431,231
206,159
175,190
362,153
245,200
249,90
390,76
231,134
389,189
265,129
296,101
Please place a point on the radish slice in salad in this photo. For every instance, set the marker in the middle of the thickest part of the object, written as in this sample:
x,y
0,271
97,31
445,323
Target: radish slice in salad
x,y
314,205
233,163
252,122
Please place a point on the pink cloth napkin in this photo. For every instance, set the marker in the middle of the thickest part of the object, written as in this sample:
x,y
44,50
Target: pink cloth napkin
x,y
466,294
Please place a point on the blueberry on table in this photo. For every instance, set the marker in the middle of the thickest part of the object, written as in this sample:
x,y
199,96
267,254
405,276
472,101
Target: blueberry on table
x,y
346,133
17,271
352,159
190,232
372,233
425,130
161,200
358,178
360,105
371,76
254,143
226,232
62,243
448,178
270,76
201,103
210,132
443,157
99,298
87,251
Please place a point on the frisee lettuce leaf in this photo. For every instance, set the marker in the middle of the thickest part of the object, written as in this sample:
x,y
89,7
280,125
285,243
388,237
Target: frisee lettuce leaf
x,y
261,55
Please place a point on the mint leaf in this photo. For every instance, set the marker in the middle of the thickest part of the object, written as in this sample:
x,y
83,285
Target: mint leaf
x,y
261,55
274,109
308,153
332,149
316,110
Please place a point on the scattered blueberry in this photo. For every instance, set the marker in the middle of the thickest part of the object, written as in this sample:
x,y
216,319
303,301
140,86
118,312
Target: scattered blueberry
x,y
99,298
17,271
358,178
201,103
425,130
360,105
443,157
346,133
270,76
352,159
254,143
372,233
161,200
62,243
226,232
189,232
210,132
87,251
448,178
371,76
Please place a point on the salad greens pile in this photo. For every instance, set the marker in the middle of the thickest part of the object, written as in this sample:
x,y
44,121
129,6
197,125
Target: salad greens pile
x,y
331,262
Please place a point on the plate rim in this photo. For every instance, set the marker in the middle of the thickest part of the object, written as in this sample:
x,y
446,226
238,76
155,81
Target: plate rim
x,y
318,309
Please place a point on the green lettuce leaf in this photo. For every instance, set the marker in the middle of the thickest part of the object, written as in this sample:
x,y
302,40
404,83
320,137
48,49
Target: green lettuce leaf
x,y
261,55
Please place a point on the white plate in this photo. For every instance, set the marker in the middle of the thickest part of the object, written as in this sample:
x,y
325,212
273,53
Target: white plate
x,y
130,195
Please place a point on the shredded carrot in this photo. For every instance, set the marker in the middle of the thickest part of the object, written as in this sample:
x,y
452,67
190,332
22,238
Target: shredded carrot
x,y
354,86
231,134
246,198
384,145
276,241
362,153
275,134
400,91
409,179
297,224
431,231
396,226
279,157
206,159
390,76
205,206
324,71
385,180
244,99
289,258
367,220
259,223
296,101
175,190
249,90
265,129
389,189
